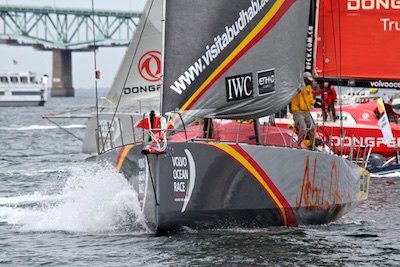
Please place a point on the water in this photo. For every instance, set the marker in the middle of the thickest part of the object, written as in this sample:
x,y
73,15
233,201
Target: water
x,y
56,209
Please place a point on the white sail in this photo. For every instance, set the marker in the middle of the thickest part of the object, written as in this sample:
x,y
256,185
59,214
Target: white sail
x,y
139,77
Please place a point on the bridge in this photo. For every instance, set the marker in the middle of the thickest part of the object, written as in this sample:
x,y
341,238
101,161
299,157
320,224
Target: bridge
x,y
64,31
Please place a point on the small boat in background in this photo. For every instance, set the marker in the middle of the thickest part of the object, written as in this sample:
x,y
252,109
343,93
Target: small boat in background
x,y
22,89
352,96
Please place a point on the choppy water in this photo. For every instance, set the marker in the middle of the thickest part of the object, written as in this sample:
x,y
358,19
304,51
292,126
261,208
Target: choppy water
x,y
58,210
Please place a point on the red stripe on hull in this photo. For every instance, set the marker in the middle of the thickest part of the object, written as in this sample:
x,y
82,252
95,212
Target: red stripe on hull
x,y
290,217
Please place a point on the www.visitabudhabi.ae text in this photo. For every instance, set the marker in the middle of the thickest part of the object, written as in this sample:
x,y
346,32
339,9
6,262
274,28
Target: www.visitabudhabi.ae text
x,y
220,44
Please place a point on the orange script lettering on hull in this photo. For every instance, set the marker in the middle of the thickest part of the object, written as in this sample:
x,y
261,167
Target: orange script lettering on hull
x,y
313,196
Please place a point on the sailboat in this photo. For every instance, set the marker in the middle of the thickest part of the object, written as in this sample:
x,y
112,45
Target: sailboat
x,y
136,88
356,47
211,163
357,43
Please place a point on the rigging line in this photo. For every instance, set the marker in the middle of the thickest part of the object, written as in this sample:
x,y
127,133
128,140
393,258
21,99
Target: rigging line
x,y
340,65
320,6
336,63
184,127
127,75
95,69
64,129
323,39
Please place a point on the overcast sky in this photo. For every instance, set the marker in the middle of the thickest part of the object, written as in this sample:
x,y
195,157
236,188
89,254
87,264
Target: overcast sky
x,y
108,59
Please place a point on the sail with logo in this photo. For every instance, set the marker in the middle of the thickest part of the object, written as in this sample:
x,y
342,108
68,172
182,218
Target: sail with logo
x,y
232,60
237,64
357,43
139,76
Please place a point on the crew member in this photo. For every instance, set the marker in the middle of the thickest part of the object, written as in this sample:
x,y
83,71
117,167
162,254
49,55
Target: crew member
x,y
329,98
301,105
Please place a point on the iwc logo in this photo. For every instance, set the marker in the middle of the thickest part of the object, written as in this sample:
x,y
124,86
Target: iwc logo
x,y
239,87
150,66
184,178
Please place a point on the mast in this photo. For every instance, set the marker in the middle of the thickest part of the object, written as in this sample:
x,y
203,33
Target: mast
x,y
311,37
162,54
97,76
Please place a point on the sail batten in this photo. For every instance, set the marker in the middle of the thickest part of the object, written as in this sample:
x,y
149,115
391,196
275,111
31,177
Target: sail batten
x,y
234,59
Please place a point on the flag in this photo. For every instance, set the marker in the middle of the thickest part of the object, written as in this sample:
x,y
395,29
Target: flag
x,y
15,62
384,123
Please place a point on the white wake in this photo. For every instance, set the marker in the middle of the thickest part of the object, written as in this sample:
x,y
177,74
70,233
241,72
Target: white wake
x,y
91,200
42,127
388,175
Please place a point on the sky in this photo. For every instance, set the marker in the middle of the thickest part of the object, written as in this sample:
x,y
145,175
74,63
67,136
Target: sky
x,y
40,62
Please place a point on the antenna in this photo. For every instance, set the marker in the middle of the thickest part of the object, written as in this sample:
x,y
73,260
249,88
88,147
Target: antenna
x,y
97,73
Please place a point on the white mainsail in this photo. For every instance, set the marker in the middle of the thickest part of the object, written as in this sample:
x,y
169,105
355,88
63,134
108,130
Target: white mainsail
x,y
139,77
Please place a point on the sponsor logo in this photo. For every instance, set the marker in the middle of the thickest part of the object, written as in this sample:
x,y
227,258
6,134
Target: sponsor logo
x,y
149,66
351,83
266,81
353,5
310,49
363,141
390,25
312,195
184,178
220,43
142,89
239,87
385,84
365,117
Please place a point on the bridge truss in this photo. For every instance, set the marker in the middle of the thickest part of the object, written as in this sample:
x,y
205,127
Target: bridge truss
x,y
46,28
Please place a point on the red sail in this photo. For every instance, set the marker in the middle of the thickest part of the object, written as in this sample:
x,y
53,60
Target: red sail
x,y
359,40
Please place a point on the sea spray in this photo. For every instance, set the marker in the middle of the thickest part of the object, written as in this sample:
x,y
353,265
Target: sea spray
x,y
94,199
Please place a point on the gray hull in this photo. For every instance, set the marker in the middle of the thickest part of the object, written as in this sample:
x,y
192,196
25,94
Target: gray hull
x,y
216,185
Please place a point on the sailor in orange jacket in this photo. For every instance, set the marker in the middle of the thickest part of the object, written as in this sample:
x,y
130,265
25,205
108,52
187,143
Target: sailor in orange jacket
x,y
301,105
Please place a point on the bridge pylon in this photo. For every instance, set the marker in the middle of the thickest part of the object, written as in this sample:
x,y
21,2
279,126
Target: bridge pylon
x,y
62,74
64,30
